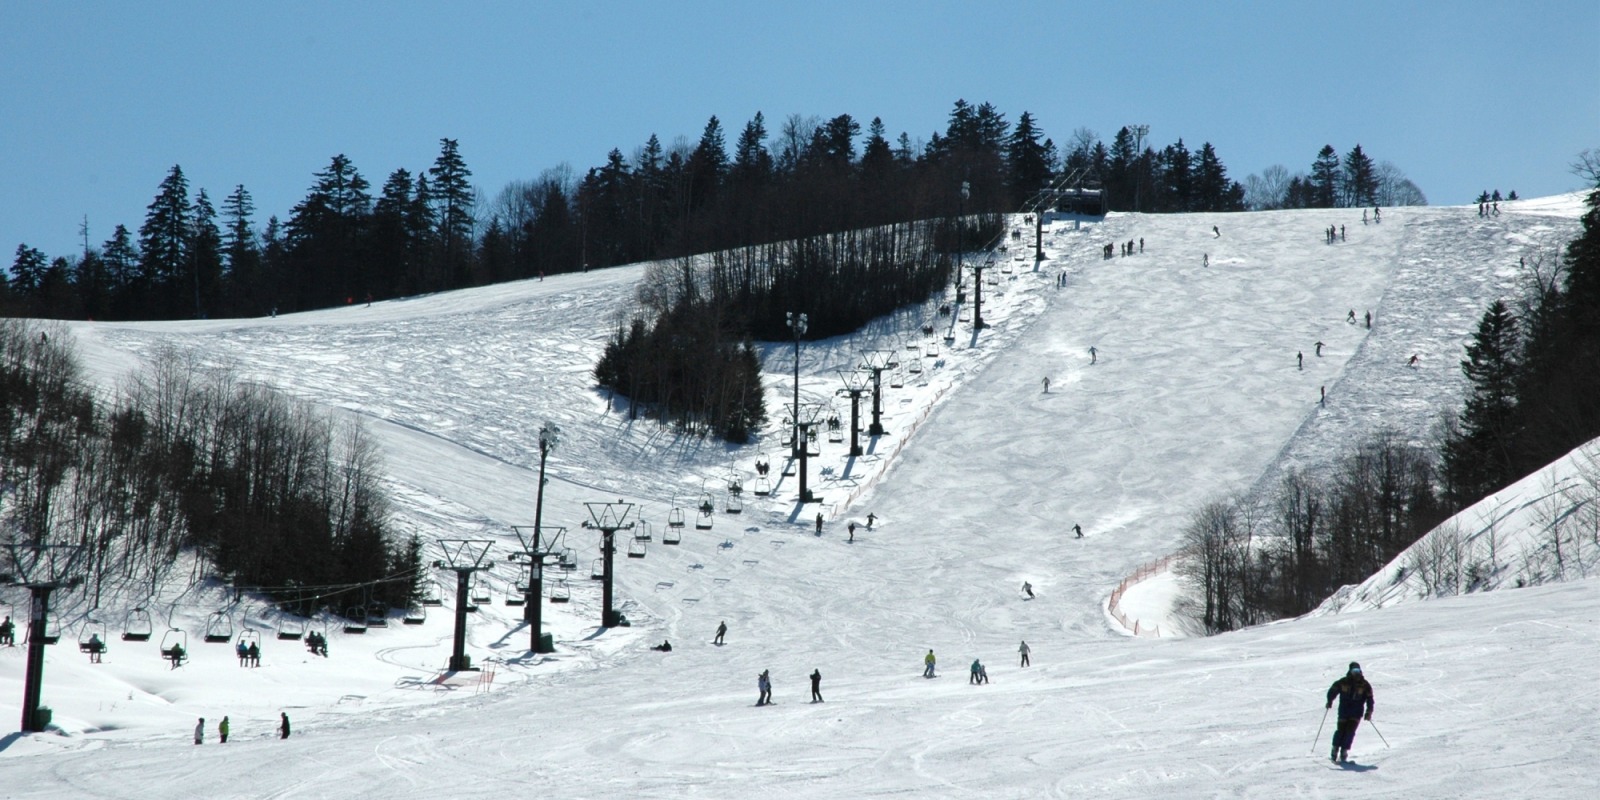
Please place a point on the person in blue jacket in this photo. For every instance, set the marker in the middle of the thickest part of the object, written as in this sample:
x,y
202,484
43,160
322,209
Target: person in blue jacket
x,y
1355,697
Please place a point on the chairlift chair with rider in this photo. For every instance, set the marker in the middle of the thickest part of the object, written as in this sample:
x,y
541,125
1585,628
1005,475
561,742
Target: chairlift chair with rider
x,y
175,646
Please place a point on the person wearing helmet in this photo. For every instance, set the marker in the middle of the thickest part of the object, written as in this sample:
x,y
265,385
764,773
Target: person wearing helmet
x,y
1355,697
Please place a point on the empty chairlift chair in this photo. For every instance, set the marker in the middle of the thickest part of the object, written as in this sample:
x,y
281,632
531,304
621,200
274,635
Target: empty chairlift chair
x,y
219,628
519,588
560,592
763,486
675,517
355,620
734,504
672,536
291,627
378,614
479,594
636,548
138,626
643,532
569,560
415,615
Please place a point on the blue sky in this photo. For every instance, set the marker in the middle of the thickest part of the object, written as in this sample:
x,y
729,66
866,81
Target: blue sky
x,y
99,100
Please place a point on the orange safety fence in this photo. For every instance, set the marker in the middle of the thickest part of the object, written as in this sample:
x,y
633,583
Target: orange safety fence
x,y
855,494
1135,626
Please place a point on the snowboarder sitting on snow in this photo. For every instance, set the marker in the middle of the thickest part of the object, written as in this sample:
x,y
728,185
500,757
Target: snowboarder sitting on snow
x,y
665,646
1355,695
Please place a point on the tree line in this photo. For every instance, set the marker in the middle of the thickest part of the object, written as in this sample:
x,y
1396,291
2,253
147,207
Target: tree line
x,y
1534,370
266,492
431,230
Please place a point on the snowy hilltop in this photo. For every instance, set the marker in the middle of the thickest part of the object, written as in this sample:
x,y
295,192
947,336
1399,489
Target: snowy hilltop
x,y
1109,397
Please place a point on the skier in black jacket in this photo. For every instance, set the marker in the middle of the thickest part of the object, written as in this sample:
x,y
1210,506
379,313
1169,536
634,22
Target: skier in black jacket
x,y
1355,696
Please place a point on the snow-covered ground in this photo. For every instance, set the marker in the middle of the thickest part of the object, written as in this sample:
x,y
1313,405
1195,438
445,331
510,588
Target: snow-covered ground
x,y
1194,393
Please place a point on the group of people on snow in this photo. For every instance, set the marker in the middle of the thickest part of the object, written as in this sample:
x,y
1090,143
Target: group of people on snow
x,y
223,728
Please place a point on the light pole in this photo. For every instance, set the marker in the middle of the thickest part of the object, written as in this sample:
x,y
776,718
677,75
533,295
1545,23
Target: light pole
x,y
1139,132
797,323
549,437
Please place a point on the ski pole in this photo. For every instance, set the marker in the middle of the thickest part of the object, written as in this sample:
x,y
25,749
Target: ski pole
x,y
1375,730
1319,729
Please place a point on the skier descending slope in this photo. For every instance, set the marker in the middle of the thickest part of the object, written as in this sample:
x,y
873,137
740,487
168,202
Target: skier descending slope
x,y
1355,695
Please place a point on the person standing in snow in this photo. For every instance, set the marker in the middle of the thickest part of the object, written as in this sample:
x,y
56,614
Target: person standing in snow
x,y
871,518
1077,531
816,686
722,630
1047,385
928,662
1319,346
1024,650
1369,320
1215,233
1355,696
283,725
1205,260
200,731
819,523
8,633
852,529
976,669
1094,355
222,730
764,685
1300,360
1351,317
1027,589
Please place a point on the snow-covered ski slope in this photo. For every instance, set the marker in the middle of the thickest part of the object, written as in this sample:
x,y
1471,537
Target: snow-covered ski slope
x,y
975,489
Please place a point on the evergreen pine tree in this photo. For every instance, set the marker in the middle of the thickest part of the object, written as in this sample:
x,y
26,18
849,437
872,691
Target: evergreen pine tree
x,y
1325,178
1028,162
1479,460
1360,179
452,203
164,247
205,257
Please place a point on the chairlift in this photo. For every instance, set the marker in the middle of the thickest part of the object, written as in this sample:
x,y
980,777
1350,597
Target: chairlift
x,y
480,592
378,614
597,570
92,638
672,536
175,646
896,379
219,628
835,430
914,367
415,615
249,636
137,626
734,504
642,532
432,598
559,592
931,349
707,505
703,522
523,579
291,627
569,559
355,620
735,484
763,487
636,548
763,465
675,517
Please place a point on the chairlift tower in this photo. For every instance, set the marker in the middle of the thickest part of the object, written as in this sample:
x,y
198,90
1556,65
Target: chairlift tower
x,y
876,361
463,557
806,416
538,546
796,323
1139,132
608,518
41,569
855,385
977,294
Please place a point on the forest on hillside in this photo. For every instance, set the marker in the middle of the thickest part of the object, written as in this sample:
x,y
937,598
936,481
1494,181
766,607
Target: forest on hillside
x,y
207,252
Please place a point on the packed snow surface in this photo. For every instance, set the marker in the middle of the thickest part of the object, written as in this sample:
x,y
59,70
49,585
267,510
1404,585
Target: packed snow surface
x,y
1194,392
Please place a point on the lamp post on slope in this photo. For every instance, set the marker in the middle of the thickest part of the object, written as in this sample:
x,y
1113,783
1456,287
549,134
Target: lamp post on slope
x,y
797,323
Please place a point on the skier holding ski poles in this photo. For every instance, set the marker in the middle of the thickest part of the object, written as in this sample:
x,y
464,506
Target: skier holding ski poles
x,y
1354,695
